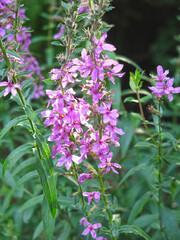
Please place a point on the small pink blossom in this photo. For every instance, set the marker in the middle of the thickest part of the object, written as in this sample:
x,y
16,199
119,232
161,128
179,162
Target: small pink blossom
x,y
90,195
101,45
161,76
11,87
109,166
83,177
91,228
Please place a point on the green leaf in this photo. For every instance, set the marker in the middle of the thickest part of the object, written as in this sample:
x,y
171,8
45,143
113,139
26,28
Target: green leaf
x,y
26,178
146,99
11,124
125,140
140,167
66,201
32,202
23,165
130,99
132,85
49,81
66,231
44,147
146,220
13,53
135,230
15,155
38,230
48,221
56,43
65,6
22,73
47,180
27,83
30,113
145,145
81,16
1,94
170,137
138,207
170,224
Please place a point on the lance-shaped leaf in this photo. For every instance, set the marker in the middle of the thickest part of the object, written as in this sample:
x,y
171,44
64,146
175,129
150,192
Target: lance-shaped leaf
x,y
26,178
48,221
32,202
11,124
133,229
15,155
45,170
138,207
170,224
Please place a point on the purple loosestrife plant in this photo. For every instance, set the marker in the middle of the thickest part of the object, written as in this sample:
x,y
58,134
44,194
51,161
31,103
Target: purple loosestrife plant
x,y
69,114
76,134
163,87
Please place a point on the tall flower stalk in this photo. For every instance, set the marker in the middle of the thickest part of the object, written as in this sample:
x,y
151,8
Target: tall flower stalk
x,y
163,87
84,128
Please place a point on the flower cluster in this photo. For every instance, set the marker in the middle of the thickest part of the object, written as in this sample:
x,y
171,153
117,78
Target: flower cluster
x,y
164,84
20,39
83,127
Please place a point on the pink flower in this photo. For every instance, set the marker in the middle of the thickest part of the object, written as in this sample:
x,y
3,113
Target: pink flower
x,y
101,45
108,115
91,228
11,87
100,144
57,35
164,85
109,166
83,177
161,76
90,195
64,74
83,221
67,160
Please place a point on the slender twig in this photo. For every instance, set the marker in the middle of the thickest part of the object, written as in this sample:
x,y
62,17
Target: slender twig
x,y
80,191
159,166
143,118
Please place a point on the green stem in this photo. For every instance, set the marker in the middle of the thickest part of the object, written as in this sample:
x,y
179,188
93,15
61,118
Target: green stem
x,y
159,166
143,118
101,181
16,20
23,102
80,190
